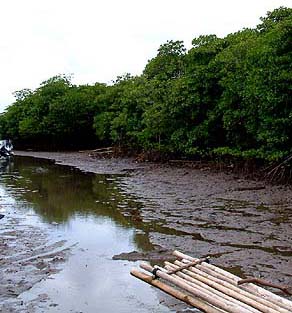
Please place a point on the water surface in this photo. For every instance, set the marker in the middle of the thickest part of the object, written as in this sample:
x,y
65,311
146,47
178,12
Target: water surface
x,y
83,209
246,231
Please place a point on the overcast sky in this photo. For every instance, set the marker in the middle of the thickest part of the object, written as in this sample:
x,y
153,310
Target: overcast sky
x,y
98,40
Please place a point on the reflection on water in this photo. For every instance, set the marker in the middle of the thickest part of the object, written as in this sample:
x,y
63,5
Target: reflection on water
x,y
57,193
82,208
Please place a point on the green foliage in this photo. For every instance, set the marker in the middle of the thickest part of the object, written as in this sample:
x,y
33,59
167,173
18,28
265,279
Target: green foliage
x,y
274,18
224,97
169,62
55,114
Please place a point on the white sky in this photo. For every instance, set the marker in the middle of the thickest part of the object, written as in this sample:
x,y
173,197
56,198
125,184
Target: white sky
x,y
98,40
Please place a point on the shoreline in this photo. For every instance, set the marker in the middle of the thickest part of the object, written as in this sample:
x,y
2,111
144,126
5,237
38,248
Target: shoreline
x,y
27,256
244,225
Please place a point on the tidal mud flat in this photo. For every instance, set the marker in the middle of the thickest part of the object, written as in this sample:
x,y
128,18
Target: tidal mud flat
x,y
60,231
27,257
244,225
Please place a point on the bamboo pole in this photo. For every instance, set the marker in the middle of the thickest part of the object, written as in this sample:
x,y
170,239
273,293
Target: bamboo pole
x,y
231,290
252,289
284,303
195,302
220,293
185,266
215,273
198,292
236,288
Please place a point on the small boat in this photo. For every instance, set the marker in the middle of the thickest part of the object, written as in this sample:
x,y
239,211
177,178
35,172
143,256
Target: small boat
x,y
6,149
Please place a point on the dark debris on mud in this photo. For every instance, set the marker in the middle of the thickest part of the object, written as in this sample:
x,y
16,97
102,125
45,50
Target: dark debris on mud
x,y
157,255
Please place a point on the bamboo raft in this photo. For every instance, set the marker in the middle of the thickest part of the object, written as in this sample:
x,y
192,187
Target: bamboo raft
x,y
212,289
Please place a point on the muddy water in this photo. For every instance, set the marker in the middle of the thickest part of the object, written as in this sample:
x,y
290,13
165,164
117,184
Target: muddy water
x,y
64,209
245,226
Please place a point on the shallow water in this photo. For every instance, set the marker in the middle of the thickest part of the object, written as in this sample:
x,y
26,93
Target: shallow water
x,y
81,208
247,231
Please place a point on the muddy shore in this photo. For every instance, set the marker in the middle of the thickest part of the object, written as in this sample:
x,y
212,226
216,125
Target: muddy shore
x,y
244,225
27,257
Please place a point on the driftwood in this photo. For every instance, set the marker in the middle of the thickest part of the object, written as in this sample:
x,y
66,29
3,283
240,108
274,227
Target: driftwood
x,y
184,162
99,150
212,289
285,289
250,188
106,149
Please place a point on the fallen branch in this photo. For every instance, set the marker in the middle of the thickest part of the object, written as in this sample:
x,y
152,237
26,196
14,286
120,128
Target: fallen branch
x,y
249,188
285,289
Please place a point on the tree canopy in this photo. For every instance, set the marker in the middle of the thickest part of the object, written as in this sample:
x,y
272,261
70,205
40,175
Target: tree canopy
x,y
224,96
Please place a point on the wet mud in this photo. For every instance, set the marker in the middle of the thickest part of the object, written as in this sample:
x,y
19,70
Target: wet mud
x,y
243,228
27,257
156,255
244,225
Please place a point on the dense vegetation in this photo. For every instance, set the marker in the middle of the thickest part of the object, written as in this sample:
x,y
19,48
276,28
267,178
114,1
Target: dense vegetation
x,y
225,96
